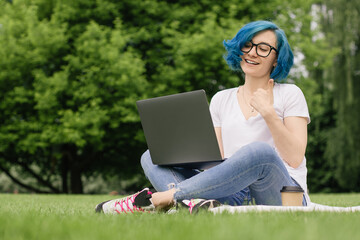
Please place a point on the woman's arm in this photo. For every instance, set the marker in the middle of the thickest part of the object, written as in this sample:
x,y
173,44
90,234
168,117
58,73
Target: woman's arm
x,y
219,139
290,135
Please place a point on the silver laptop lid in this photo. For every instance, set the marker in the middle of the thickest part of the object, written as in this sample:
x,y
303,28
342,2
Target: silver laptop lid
x,y
179,130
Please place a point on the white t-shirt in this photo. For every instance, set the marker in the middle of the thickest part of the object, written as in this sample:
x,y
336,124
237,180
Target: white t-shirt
x,y
237,131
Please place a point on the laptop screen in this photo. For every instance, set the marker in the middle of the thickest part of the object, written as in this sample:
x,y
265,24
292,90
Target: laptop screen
x,y
179,130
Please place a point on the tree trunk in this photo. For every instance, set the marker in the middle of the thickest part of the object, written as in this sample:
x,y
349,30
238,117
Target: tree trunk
x,y
71,164
64,175
75,181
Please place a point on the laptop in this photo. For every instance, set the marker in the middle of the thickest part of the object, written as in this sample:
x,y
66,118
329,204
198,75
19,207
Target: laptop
x,y
179,130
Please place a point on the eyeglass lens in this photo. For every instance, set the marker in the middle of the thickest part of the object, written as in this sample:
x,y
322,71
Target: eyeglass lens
x,y
262,49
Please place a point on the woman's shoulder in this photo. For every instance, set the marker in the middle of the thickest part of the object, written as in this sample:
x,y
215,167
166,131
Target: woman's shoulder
x,y
225,93
287,90
287,87
223,97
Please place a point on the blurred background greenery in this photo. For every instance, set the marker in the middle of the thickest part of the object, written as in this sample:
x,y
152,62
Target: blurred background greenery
x,y
72,70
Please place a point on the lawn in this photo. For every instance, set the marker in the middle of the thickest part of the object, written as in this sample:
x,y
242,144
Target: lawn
x,y
43,217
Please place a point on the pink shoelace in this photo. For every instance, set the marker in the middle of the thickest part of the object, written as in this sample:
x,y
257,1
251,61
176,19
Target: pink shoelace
x,y
191,206
126,203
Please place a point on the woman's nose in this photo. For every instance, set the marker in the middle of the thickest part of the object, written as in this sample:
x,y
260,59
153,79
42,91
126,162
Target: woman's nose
x,y
253,52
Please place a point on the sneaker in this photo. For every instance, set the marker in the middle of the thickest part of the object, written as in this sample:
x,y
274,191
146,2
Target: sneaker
x,y
194,205
173,209
138,202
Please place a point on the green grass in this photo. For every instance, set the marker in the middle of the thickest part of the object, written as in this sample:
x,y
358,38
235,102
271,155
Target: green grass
x,y
43,217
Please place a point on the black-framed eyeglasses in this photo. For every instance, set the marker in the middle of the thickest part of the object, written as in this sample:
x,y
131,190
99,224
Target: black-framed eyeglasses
x,y
262,49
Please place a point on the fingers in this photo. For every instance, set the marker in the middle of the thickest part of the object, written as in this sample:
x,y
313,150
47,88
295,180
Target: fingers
x,y
264,93
263,97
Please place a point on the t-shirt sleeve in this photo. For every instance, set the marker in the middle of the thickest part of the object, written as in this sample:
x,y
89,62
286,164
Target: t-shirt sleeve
x,y
295,103
215,110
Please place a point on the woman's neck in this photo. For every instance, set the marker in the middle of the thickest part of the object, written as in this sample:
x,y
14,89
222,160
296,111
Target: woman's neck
x,y
252,84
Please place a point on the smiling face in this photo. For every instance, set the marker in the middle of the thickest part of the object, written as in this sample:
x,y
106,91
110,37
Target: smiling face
x,y
255,66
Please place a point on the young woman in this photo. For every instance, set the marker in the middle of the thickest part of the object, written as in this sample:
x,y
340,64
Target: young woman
x,y
261,129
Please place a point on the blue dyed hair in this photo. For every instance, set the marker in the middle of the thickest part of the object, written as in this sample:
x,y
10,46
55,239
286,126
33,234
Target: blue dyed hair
x,y
285,57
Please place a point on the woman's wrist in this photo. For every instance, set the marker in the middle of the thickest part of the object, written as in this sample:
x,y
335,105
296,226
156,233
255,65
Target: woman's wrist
x,y
269,114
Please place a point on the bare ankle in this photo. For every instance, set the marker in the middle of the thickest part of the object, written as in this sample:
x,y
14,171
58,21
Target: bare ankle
x,y
163,199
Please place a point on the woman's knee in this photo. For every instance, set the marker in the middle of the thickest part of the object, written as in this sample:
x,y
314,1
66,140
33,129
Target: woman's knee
x,y
145,159
259,151
267,153
260,146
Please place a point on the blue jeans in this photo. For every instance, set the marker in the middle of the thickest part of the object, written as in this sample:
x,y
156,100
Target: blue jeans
x,y
255,170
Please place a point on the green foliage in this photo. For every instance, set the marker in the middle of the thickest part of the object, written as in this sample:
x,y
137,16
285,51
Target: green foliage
x,y
72,70
64,102
341,24
313,52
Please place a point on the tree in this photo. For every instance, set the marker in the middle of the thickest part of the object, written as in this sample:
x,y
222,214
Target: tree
x,y
72,70
68,97
341,25
314,54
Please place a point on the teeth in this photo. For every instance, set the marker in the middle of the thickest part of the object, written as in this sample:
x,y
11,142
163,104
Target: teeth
x,y
251,62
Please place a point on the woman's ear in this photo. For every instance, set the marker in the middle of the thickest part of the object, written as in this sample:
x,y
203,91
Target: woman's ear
x,y
274,66
275,63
